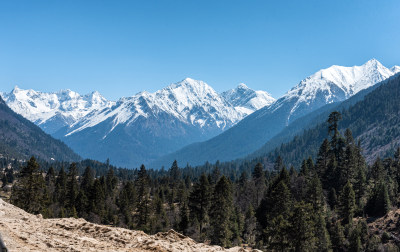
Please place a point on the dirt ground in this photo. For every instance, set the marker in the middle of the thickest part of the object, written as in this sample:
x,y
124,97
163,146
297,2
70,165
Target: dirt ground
x,y
26,232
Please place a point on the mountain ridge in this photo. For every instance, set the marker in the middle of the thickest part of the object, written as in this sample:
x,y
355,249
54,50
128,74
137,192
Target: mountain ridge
x,y
256,129
167,119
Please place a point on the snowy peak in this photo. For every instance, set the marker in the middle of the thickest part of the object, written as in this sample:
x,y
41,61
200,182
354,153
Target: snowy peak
x,y
192,102
395,69
66,106
332,84
247,100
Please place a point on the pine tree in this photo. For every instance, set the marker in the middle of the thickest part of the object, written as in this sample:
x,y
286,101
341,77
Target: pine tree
x,y
111,181
259,183
302,228
174,171
337,237
355,241
199,201
87,179
29,192
184,218
379,202
323,159
333,130
250,225
220,213
278,166
273,215
347,203
61,187
143,200
323,242
72,189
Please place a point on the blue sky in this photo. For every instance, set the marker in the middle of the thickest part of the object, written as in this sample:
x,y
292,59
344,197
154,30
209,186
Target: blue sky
x,y
122,47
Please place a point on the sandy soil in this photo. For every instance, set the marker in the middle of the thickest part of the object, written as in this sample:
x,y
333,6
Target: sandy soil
x,y
26,232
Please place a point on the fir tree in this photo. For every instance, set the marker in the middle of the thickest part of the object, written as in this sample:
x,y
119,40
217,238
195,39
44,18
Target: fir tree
x,y
302,228
199,201
143,200
29,192
220,213
347,203
174,171
72,189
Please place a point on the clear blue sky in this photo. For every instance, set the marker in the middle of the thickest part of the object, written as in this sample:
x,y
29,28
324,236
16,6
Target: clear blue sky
x,y
122,47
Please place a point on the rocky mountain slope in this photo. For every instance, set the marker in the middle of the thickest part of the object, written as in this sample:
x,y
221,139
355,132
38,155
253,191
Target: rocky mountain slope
x,y
334,84
20,138
140,128
22,231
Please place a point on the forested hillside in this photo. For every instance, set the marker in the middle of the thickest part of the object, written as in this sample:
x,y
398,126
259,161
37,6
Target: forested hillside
x,y
322,207
20,138
375,121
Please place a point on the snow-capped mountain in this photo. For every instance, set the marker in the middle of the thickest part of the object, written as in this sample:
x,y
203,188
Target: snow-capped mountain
x,y
53,111
333,84
329,85
190,101
139,128
247,100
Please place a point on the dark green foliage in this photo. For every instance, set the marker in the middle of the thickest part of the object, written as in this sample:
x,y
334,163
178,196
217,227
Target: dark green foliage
x,y
302,228
347,204
30,191
322,207
143,199
221,211
199,202
379,202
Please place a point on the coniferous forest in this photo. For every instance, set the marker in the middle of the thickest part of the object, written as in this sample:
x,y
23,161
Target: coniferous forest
x,y
326,205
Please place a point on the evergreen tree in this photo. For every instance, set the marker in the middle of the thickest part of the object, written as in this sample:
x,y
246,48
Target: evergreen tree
x,y
337,237
323,242
72,189
355,241
302,228
220,213
323,159
379,202
184,218
87,179
143,200
174,171
347,203
273,215
111,181
29,192
250,224
199,201
333,130
259,183
61,187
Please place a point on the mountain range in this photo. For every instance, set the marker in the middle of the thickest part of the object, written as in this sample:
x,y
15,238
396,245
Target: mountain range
x,y
20,139
141,128
327,86
373,117
187,121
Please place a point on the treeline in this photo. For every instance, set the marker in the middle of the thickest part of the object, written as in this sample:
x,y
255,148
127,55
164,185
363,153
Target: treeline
x,y
323,206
